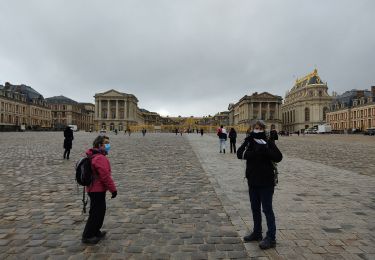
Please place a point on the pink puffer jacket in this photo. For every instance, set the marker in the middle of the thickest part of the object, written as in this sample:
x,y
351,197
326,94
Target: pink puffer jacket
x,y
102,172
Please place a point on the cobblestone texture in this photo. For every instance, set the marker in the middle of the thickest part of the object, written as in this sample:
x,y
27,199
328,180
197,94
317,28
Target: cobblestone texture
x,y
180,199
322,212
166,207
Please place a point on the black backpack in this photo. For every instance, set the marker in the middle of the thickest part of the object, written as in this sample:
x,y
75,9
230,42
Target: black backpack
x,y
84,175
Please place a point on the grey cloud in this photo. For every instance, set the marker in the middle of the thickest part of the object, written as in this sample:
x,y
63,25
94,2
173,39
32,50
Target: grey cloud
x,y
186,57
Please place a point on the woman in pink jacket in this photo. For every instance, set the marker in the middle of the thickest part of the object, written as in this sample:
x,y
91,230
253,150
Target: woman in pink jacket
x,y
103,181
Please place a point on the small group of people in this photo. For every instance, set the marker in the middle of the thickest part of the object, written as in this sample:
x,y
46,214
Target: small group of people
x,y
181,131
223,136
258,149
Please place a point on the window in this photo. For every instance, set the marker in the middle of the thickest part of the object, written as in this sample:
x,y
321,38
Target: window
x,y
307,114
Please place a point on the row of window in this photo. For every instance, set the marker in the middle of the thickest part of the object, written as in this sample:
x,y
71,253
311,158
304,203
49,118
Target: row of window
x,y
20,109
7,107
360,124
354,114
290,116
15,120
12,95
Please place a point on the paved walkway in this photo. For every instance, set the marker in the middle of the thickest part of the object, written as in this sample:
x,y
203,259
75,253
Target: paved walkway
x,y
178,199
322,212
166,207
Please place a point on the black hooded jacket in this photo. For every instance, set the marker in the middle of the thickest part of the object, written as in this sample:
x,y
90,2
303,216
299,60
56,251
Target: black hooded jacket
x,y
259,158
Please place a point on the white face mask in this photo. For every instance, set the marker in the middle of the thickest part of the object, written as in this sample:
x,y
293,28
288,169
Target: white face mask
x,y
258,131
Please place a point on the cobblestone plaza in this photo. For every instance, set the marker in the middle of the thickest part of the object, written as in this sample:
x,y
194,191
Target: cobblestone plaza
x,y
178,198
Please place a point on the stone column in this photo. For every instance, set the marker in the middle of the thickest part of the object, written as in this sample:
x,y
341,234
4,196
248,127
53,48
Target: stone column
x,y
260,111
96,108
125,109
251,116
108,109
117,115
100,109
268,111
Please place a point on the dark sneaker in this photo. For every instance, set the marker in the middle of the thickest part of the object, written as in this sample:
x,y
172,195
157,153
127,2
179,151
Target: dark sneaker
x,y
91,240
253,237
267,243
101,234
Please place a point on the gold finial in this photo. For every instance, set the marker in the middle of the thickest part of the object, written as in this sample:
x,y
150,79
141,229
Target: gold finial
x,y
315,71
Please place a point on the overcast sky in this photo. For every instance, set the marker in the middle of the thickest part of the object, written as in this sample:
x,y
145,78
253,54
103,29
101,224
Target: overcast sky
x,y
190,57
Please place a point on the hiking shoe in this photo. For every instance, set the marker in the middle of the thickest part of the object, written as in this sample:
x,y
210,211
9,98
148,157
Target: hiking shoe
x,y
91,240
101,234
267,243
253,237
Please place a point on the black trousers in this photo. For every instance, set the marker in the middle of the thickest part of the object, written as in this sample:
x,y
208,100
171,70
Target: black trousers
x,y
96,214
261,197
233,146
66,153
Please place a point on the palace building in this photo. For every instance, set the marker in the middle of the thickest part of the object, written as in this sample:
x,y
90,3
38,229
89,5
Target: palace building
x,y
264,106
306,104
23,107
354,109
116,110
66,111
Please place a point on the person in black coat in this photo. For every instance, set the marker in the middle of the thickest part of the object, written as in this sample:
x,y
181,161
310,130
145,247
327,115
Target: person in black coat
x,y
260,155
68,134
273,133
232,137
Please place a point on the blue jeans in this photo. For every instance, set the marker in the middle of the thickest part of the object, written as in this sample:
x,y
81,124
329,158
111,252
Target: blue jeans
x,y
223,144
261,197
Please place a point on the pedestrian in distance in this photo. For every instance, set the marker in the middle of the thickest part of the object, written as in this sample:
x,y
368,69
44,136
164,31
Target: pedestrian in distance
x,y
273,133
68,141
144,131
201,131
232,140
176,131
260,154
102,183
222,134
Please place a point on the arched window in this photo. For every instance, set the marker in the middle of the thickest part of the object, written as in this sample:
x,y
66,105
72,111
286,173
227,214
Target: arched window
x,y
325,111
307,114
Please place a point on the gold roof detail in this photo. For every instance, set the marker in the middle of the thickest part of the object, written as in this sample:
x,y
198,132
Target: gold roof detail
x,y
312,78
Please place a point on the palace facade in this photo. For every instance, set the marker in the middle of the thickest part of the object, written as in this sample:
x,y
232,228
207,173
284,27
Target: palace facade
x,y
116,110
66,111
354,109
22,106
306,104
264,106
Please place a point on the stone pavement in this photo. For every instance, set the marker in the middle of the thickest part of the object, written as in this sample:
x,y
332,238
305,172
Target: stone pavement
x,y
166,207
322,212
173,205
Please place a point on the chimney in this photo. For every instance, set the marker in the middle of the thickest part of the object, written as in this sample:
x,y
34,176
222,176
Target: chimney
x,y
360,93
